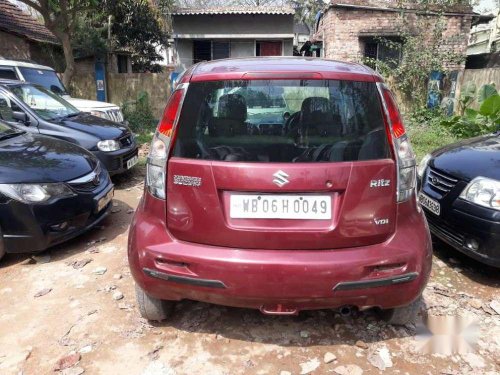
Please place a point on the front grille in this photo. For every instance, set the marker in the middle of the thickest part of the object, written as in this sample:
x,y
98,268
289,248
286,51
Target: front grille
x,y
89,182
441,229
440,182
115,115
127,140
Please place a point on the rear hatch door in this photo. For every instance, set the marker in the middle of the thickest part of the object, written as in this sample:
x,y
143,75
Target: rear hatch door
x,y
322,179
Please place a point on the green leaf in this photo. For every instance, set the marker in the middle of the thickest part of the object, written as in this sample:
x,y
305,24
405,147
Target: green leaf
x,y
470,113
491,106
485,92
468,91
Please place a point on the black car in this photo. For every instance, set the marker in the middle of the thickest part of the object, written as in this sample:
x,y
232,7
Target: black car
x,y
50,191
34,109
460,193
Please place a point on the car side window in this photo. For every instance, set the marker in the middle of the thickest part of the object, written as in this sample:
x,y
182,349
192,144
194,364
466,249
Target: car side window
x,y
7,73
7,109
6,112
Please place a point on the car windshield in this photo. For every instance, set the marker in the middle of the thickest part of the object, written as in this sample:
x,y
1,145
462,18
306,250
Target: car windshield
x,y
45,78
282,121
46,104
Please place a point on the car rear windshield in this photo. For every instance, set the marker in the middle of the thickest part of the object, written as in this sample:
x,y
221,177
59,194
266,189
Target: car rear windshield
x,y
282,121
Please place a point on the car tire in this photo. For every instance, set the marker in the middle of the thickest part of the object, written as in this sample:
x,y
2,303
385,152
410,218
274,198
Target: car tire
x,y
402,315
2,247
152,308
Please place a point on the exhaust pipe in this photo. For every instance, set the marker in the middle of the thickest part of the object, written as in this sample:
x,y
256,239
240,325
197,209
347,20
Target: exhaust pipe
x,y
345,311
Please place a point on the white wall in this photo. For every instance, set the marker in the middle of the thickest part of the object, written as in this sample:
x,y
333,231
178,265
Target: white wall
x,y
183,54
242,48
232,24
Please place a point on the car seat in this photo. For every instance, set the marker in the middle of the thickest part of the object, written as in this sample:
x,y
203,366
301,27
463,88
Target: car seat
x,y
316,118
374,145
231,117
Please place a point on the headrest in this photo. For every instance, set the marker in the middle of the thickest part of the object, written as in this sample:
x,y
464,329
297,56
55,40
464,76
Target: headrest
x,y
315,110
232,107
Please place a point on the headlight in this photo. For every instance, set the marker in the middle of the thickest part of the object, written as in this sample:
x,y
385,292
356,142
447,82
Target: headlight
x,y
108,145
99,114
423,165
483,192
36,193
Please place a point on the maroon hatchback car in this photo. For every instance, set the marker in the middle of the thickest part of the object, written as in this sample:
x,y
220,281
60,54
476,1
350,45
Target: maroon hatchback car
x,y
281,184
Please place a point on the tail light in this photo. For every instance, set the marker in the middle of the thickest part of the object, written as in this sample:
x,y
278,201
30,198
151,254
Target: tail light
x,y
161,144
405,157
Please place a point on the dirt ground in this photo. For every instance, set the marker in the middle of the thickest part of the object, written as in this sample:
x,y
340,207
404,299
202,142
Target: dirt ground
x,y
62,311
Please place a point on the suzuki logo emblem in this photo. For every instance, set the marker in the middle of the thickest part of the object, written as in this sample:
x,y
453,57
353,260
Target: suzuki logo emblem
x,y
281,178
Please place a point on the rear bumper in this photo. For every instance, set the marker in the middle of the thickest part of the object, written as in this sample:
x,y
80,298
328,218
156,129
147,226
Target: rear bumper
x,y
387,275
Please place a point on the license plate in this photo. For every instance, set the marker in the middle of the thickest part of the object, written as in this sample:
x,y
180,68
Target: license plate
x,y
103,202
132,162
312,207
432,205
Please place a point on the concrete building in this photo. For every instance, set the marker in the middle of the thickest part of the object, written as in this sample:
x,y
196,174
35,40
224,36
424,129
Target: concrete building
x,y
351,29
302,34
222,32
483,50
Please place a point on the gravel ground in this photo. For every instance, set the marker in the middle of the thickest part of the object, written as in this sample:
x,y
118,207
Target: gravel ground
x,y
72,310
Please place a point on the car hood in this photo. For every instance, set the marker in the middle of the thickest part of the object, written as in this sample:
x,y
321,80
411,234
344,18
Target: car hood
x,y
96,126
87,105
479,156
30,158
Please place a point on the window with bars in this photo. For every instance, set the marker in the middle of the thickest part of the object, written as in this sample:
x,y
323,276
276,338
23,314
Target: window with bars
x,y
206,50
385,49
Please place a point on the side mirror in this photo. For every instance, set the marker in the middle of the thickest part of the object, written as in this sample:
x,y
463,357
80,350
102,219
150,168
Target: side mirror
x,y
21,117
56,90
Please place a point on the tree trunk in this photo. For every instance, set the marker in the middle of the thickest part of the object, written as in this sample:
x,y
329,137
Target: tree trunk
x,y
68,57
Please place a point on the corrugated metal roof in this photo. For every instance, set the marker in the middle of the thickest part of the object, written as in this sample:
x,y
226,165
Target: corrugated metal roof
x,y
234,10
13,19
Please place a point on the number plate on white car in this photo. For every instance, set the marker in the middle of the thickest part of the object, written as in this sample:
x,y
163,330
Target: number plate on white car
x,y
269,206
432,205
133,161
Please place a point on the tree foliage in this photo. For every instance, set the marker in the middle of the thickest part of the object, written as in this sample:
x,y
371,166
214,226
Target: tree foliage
x,y
61,17
137,28
420,46
306,10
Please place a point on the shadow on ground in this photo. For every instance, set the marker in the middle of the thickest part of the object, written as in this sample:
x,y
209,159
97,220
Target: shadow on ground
x,y
115,224
472,269
309,328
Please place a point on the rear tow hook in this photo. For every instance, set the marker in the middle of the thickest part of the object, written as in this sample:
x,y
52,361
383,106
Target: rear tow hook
x,y
278,309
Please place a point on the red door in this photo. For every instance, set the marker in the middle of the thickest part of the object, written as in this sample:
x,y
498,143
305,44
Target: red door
x,y
270,48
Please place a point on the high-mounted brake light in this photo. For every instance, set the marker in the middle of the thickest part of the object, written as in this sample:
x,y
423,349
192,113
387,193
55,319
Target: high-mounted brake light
x,y
160,146
398,130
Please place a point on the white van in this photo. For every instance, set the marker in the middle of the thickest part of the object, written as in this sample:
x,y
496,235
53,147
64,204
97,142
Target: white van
x,y
46,76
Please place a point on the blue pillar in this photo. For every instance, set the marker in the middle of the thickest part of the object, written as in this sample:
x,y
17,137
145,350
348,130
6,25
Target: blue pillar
x,y
100,80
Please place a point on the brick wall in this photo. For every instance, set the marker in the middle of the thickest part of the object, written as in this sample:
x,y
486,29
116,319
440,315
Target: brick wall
x,y
124,88
345,29
13,47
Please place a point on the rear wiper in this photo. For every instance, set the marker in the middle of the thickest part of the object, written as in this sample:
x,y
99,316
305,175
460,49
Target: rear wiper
x,y
10,135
